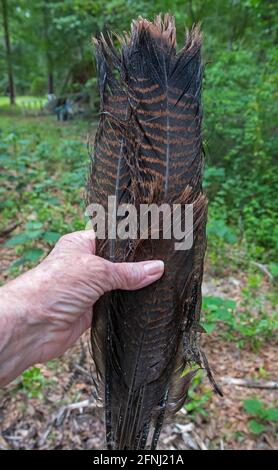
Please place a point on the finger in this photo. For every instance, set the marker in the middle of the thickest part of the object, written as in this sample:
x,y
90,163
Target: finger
x,y
131,276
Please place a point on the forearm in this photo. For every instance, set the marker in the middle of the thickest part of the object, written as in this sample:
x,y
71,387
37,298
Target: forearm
x,y
18,329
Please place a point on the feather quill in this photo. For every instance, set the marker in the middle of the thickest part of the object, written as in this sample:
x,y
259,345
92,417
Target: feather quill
x,y
148,149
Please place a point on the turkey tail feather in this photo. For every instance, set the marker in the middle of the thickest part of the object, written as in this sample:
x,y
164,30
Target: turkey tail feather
x,y
148,150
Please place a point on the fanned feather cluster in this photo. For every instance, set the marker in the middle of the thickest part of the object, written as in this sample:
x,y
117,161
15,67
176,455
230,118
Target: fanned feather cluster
x,y
148,149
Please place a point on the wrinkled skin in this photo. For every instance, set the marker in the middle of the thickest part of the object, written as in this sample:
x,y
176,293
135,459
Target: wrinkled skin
x,y
45,310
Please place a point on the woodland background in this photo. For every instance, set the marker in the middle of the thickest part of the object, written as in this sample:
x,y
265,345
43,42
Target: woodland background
x,y
46,48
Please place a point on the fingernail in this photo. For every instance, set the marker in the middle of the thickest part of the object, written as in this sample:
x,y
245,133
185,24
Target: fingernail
x,y
153,267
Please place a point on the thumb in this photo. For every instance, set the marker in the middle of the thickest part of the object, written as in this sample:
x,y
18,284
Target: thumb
x,y
131,276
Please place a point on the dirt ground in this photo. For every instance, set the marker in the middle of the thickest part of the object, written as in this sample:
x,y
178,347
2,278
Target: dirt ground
x,y
68,416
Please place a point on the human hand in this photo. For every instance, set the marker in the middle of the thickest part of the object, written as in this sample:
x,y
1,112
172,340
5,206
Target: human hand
x,y
53,302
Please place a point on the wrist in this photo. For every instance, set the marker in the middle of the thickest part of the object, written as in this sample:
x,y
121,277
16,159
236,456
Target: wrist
x,y
19,329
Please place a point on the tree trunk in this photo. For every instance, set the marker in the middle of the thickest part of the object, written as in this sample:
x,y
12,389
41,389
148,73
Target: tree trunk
x,y
50,83
8,51
47,45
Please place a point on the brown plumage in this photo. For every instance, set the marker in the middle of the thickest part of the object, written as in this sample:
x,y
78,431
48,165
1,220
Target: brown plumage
x,y
148,149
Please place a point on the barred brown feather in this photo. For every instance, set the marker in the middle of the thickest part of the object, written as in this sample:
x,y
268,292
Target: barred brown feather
x,y
148,149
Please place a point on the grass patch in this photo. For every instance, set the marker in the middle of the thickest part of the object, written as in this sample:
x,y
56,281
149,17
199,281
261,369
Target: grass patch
x,y
34,102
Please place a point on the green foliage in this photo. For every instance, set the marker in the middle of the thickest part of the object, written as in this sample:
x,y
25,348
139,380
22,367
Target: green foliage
x,y
23,101
198,396
239,124
263,414
250,325
38,86
41,184
273,268
216,310
33,382
240,86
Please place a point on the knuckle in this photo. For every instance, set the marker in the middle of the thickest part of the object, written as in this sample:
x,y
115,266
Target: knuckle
x,y
129,275
107,274
65,238
106,271
125,273
98,267
86,262
101,274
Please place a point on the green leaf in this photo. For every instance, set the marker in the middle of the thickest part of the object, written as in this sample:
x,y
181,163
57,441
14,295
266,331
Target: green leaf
x,y
10,137
32,373
271,414
34,235
33,225
21,238
51,237
209,327
255,427
211,300
18,239
33,254
229,303
17,262
273,268
253,407
225,315
4,204
4,159
33,382
53,201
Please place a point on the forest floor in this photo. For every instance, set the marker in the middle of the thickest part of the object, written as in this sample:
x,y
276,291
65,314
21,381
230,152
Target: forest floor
x,y
67,415
53,406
